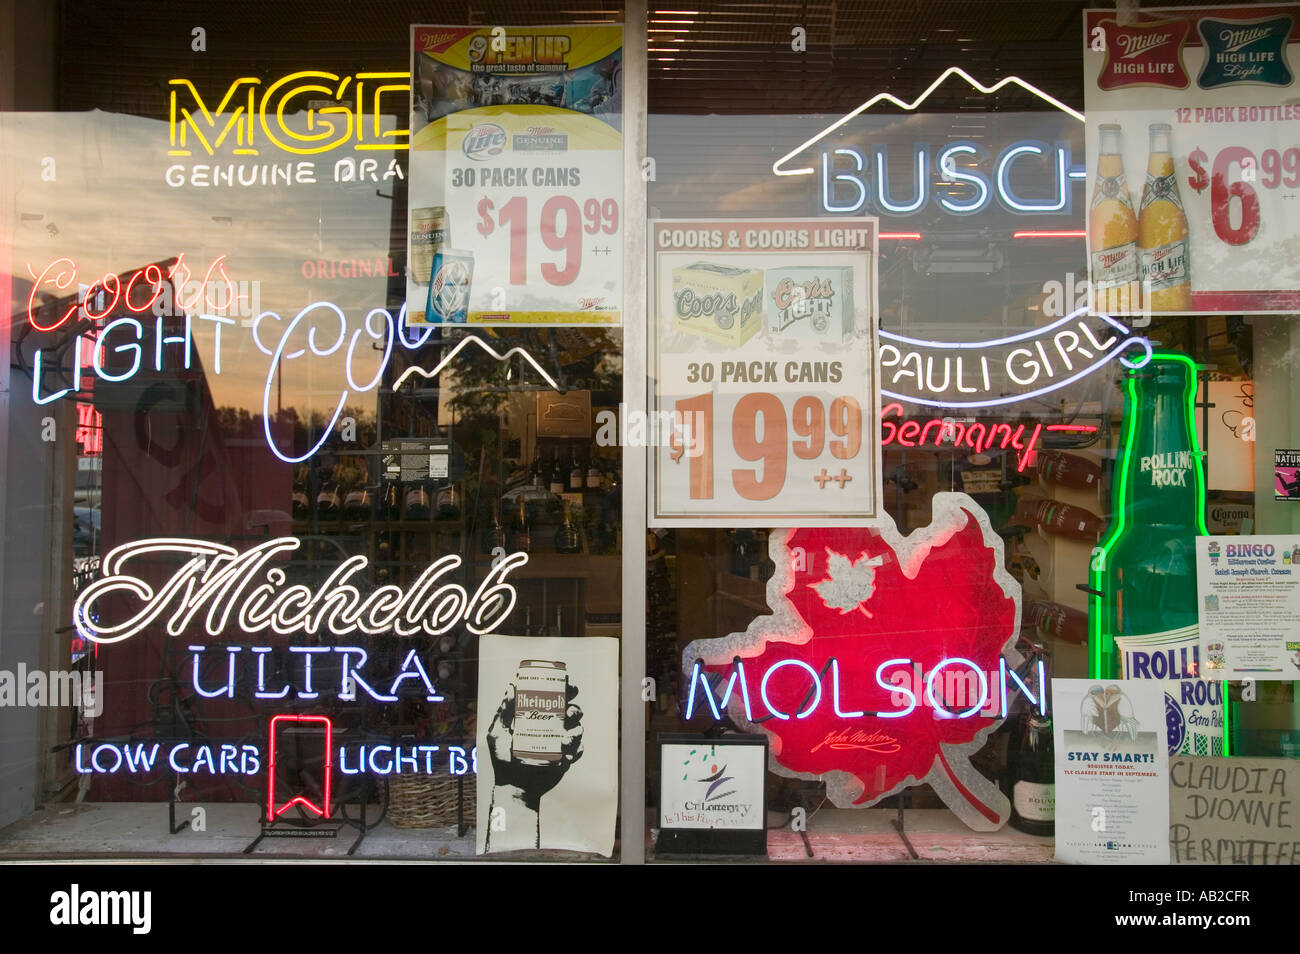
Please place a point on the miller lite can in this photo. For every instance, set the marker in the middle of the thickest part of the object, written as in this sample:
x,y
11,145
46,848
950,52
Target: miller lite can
x,y
449,290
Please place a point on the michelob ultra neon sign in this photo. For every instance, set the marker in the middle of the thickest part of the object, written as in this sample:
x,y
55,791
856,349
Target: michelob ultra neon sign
x,y
224,587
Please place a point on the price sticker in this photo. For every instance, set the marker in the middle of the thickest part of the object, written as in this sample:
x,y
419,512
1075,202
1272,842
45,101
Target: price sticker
x,y
765,408
534,195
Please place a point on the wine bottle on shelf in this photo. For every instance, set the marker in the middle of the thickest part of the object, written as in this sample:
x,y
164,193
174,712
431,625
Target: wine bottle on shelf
x,y
1033,787
356,505
447,502
593,480
577,474
521,539
567,538
557,483
327,501
392,501
528,621
301,503
417,502
559,623
535,475
494,534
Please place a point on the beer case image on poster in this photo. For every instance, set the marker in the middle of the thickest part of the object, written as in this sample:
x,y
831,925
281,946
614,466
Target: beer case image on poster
x,y
515,175
1193,170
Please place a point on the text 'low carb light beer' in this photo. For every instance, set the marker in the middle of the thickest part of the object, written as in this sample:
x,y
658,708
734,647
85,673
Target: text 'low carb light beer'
x,y
1162,232
1113,228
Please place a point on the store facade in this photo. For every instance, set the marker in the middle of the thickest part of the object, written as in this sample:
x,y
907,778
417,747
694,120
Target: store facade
x,y
558,438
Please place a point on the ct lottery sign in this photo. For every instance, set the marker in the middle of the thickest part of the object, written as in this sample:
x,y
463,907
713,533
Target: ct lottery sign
x,y
516,175
1193,159
764,392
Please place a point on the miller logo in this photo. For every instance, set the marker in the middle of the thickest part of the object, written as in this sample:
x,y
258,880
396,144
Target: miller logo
x,y
1252,51
484,141
1145,54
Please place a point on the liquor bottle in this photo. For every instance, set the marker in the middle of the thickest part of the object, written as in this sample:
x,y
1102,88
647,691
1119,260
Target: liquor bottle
x,y
593,480
327,501
392,501
447,502
577,474
536,477
356,505
301,503
567,538
1144,572
1033,786
521,538
1058,621
494,534
559,623
1068,470
1163,256
417,502
528,621
1113,230
557,483
1058,519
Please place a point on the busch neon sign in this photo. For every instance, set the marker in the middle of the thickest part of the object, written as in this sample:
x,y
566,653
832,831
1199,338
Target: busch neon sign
x,y
885,663
964,188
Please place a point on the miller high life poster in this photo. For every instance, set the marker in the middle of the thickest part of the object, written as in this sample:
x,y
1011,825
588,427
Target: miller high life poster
x,y
1194,165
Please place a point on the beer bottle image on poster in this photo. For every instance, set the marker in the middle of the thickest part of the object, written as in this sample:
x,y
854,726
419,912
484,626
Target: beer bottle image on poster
x,y
1114,227
1163,252
1143,573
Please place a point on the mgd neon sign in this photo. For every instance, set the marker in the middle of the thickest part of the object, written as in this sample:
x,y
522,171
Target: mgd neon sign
x,y
242,111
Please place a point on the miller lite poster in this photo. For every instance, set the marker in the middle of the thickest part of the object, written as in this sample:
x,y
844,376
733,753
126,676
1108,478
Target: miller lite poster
x,y
1193,160
547,744
515,190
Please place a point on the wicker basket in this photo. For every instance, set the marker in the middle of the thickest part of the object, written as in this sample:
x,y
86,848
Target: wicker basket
x,y
429,801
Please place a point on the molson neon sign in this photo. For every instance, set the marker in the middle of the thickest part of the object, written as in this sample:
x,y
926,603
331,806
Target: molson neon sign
x,y
970,374
248,105
228,588
964,189
885,663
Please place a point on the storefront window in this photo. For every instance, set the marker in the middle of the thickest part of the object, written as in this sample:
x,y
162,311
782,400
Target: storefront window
x,y
640,434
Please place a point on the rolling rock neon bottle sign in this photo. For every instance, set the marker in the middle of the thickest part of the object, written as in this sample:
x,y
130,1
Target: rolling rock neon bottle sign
x,y
216,588
885,664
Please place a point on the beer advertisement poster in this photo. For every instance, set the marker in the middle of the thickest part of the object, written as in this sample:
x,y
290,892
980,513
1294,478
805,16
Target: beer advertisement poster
x,y
1249,606
764,393
515,187
1193,160
1286,474
1112,772
547,757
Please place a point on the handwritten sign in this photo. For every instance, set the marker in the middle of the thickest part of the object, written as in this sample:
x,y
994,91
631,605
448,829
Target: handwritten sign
x,y
1237,812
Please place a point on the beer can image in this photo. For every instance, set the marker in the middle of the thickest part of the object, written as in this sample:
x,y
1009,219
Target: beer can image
x,y
448,303
541,698
430,229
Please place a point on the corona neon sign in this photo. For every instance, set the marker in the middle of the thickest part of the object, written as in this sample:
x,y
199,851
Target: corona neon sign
x,y
228,588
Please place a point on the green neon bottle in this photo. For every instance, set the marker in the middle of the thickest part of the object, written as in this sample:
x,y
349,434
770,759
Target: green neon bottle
x,y
1143,574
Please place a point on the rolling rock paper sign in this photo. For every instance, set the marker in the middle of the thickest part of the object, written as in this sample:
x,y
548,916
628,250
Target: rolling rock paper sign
x,y
885,663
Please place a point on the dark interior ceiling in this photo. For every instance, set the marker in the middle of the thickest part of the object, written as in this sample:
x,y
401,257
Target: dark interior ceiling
x,y
716,56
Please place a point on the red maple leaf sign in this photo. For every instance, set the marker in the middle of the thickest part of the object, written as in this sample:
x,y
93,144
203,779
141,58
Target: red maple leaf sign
x,y
879,667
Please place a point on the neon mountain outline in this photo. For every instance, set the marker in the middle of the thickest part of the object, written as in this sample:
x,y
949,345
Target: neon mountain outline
x,y
890,98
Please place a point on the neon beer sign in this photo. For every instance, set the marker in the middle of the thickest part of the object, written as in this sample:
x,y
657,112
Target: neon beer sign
x,y
217,586
886,662
248,105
